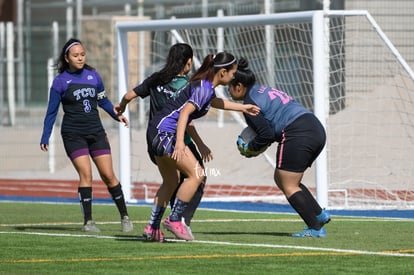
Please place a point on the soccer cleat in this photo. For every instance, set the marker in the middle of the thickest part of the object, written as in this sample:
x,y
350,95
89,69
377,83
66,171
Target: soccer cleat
x,y
309,232
178,229
153,235
126,224
323,218
187,227
90,226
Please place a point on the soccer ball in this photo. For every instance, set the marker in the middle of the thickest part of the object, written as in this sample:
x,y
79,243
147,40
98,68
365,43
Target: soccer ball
x,y
248,134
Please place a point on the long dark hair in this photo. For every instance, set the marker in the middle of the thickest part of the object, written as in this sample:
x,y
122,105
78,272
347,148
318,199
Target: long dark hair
x,y
176,60
212,64
61,64
243,74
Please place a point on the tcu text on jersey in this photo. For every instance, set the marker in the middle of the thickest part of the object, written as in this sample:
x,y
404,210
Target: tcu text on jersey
x,y
84,92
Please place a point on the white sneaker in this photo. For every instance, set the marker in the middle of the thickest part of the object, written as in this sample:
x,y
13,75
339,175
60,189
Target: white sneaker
x,y
127,225
90,226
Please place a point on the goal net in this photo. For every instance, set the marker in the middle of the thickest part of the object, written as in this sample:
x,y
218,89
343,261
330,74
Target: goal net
x,y
341,66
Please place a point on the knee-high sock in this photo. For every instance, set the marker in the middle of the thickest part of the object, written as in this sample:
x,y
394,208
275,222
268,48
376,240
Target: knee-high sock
x,y
119,199
193,204
174,195
85,199
302,206
313,203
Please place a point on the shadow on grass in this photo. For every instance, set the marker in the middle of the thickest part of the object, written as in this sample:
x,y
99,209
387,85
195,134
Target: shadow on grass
x,y
128,238
49,228
272,234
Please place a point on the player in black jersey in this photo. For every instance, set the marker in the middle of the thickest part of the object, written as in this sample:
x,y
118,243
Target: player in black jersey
x,y
162,86
80,89
165,139
301,138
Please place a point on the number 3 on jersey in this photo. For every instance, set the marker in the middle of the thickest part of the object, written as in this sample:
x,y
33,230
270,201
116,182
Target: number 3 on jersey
x,y
87,106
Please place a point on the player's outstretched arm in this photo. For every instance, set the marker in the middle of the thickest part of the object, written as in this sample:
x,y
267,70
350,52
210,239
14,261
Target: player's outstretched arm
x,y
224,104
120,108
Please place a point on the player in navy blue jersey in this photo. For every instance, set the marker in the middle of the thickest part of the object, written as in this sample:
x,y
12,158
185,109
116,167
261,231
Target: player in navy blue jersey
x,y
80,90
162,86
165,137
300,136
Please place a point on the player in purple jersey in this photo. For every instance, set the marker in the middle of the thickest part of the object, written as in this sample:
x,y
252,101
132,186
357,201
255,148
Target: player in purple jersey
x,y
80,89
165,136
162,86
301,138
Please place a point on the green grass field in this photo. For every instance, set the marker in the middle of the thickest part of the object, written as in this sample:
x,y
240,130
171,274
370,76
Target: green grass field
x,y
41,238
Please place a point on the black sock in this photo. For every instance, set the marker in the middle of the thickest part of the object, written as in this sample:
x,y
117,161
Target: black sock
x,y
193,204
177,211
311,199
85,198
174,195
301,204
119,199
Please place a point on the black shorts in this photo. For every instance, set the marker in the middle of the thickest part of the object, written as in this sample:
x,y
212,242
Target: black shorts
x,y
79,145
302,141
160,144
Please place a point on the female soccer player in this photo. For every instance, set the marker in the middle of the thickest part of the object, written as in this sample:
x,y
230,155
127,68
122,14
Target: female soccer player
x,y
165,136
301,138
80,89
166,85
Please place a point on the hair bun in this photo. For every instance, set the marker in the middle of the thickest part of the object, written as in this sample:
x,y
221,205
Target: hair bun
x,y
243,64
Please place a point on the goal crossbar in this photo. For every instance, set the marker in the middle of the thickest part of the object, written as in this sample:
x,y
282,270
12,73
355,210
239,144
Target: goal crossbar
x,y
213,22
122,28
320,67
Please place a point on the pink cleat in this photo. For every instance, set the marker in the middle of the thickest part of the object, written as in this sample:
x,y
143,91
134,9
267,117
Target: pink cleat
x,y
153,235
178,229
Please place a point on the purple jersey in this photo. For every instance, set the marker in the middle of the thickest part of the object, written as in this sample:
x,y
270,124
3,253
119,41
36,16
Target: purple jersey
x,y
80,93
199,93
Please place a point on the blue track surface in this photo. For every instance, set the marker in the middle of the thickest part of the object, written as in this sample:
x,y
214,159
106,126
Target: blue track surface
x,y
240,206
285,208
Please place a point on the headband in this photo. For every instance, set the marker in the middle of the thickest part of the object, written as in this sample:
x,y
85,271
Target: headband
x,y
70,46
225,64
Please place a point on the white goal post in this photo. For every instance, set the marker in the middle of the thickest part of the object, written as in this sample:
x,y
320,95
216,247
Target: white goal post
x,y
319,59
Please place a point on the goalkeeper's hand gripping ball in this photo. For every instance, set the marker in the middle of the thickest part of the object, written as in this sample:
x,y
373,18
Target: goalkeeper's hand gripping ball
x,y
246,136
244,150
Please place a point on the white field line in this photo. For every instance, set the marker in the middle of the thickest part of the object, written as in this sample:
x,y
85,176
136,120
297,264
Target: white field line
x,y
207,221
333,250
346,251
